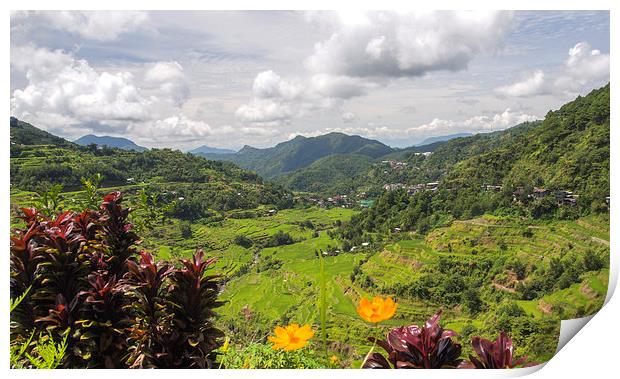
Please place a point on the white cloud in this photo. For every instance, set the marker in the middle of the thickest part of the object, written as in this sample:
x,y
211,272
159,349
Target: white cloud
x,y
348,117
366,51
181,130
67,94
393,44
276,100
533,84
95,25
477,124
60,84
584,69
171,79
437,127
173,128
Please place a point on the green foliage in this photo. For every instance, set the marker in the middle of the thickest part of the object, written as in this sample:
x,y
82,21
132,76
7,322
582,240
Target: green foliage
x,y
243,241
48,354
16,301
262,356
323,302
23,133
330,175
279,239
18,349
48,200
90,187
89,291
185,228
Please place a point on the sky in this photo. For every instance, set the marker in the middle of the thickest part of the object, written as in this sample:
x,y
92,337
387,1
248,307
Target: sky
x,y
183,79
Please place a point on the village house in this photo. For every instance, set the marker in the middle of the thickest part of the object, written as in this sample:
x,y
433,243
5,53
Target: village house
x,y
395,165
539,193
492,187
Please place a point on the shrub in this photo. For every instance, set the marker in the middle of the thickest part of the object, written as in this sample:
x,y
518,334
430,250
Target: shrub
x,y
279,239
259,355
243,241
76,278
185,227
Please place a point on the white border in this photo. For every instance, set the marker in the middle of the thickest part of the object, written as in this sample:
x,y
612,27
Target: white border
x,y
592,353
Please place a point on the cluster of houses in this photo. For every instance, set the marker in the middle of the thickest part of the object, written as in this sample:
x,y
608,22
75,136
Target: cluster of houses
x,y
562,197
412,188
492,188
426,153
395,165
342,201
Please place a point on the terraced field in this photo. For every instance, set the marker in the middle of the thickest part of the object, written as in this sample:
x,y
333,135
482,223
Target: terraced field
x,y
282,283
292,287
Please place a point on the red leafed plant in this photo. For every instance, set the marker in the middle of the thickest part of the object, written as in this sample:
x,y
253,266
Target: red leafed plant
x,y
495,354
79,272
193,296
429,346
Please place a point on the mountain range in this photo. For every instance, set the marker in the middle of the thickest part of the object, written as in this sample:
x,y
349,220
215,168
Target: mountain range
x,y
301,152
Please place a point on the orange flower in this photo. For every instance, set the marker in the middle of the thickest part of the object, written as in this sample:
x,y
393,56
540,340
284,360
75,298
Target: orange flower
x,y
377,311
291,337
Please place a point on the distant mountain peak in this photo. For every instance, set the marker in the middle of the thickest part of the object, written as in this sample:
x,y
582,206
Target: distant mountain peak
x,y
301,152
446,137
117,142
204,149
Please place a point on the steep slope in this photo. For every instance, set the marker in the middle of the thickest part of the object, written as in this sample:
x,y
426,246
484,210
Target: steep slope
x,y
118,142
301,152
568,150
22,133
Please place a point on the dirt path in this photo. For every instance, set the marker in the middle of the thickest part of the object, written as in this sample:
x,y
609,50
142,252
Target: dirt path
x,y
600,240
477,222
503,288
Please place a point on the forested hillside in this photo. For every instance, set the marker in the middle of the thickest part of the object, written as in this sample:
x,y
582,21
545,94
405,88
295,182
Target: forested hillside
x,y
567,152
23,133
40,160
338,173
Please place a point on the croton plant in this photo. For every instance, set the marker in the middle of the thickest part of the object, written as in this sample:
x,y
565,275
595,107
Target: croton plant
x,y
121,309
432,347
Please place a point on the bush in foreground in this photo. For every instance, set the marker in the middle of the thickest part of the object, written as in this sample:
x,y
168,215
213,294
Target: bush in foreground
x,y
81,280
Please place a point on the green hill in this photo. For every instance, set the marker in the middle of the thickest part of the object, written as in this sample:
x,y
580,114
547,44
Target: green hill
x,y
119,142
301,152
40,160
338,173
22,133
567,151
